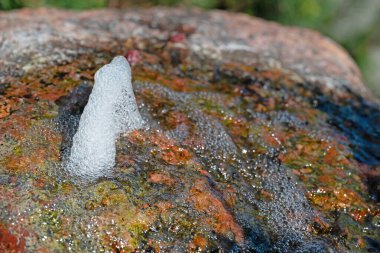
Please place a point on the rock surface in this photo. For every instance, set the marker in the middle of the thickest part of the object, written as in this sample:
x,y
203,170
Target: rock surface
x,y
261,138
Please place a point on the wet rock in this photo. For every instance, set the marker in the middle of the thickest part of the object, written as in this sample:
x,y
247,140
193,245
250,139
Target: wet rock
x,y
260,138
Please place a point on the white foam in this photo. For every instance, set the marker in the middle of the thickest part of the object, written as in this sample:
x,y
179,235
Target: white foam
x,y
111,110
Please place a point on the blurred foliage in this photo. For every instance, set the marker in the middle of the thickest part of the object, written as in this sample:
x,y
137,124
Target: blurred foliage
x,y
10,4
72,4
321,15
69,4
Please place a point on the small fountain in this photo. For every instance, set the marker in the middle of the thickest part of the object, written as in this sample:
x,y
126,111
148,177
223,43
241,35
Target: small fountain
x,y
111,110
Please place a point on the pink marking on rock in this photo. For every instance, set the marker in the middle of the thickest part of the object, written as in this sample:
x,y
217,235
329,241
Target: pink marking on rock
x,y
178,37
133,56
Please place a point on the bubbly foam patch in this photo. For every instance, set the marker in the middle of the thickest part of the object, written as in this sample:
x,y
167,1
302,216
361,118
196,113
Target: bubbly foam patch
x,y
111,110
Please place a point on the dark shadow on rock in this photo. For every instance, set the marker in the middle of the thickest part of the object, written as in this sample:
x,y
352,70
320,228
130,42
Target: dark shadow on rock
x,y
70,110
359,121
372,245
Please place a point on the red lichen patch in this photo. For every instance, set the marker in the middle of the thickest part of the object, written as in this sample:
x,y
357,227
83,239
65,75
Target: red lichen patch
x,y
220,219
159,178
10,242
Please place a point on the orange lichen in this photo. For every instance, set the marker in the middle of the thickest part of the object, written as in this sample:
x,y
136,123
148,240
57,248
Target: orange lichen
x,y
14,126
331,156
332,180
136,137
5,107
221,220
168,150
26,162
159,178
161,140
175,155
163,206
198,243
176,118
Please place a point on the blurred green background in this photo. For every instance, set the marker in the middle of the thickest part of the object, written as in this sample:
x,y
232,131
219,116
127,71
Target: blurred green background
x,y
352,23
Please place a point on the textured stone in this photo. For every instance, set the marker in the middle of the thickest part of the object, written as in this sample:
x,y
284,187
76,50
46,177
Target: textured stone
x,y
46,35
260,137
